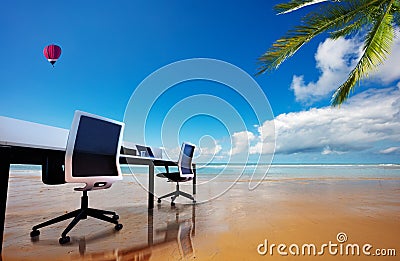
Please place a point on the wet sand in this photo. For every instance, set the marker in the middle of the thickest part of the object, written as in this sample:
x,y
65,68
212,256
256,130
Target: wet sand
x,y
291,212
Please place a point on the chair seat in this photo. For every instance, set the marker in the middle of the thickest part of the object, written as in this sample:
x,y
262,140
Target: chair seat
x,y
174,176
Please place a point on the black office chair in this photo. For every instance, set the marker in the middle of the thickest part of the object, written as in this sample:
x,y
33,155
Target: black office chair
x,y
92,157
185,173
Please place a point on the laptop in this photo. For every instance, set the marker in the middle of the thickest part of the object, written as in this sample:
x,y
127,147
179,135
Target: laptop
x,y
145,151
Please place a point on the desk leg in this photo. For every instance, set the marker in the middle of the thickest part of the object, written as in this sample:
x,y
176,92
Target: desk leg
x,y
4,175
151,186
194,219
194,179
150,227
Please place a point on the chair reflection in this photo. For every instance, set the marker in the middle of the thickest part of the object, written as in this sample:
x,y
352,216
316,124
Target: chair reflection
x,y
181,231
177,231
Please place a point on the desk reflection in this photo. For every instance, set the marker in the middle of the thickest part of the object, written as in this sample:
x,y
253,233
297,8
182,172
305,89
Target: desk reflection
x,y
178,232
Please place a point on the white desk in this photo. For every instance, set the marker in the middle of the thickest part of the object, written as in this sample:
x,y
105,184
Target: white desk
x,y
15,132
23,142
151,163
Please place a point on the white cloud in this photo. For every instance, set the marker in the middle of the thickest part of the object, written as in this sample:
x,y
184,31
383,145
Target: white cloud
x,y
172,153
213,150
327,150
334,60
241,142
369,117
390,150
390,70
207,150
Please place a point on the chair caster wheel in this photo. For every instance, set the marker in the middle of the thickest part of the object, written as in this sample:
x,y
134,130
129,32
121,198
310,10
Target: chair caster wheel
x,y
64,240
118,227
159,201
115,217
172,204
35,233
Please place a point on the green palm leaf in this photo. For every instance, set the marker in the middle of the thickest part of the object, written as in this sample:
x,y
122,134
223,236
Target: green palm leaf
x,y
376,19
377,46
351,28
396,13
332,17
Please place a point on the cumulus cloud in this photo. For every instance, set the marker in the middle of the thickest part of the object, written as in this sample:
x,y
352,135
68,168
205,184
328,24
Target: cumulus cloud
x,y
207,152
328,150
335,59
369,117
241,142
390,70
211,150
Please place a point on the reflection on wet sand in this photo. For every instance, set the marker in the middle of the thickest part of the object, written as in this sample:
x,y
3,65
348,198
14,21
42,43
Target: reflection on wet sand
x,y
178,231
227,228
145,233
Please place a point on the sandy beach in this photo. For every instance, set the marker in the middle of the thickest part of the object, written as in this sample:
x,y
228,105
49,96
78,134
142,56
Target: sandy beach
x,y
240,225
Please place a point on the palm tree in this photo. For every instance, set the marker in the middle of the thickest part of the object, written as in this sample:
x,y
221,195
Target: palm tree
x,y
374,20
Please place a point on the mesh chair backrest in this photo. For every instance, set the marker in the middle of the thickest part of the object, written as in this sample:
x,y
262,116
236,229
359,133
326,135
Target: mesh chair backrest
x,y
185,160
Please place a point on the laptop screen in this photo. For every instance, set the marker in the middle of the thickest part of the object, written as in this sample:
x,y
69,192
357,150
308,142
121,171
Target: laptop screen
x,y
150,152
145,151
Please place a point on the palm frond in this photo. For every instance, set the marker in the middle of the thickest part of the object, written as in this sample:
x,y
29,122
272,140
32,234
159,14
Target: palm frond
x,y
360,21
377,46
332,17
347,30
295,5
396,13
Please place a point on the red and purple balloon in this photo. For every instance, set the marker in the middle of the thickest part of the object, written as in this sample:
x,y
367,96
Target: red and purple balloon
x,y
52,53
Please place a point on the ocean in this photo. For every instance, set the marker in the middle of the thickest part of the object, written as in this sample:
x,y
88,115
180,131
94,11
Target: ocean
x,y
270,172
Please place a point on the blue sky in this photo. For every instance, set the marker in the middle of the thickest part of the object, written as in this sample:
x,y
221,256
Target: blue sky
x,y
110,47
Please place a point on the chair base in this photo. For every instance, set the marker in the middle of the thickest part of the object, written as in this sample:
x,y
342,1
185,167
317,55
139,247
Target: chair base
x,y
176,194
78,215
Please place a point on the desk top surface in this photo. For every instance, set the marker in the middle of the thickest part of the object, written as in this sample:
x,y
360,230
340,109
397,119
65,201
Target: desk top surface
x,y
15,132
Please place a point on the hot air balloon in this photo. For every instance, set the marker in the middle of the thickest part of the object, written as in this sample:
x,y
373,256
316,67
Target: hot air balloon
x,y
52,53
